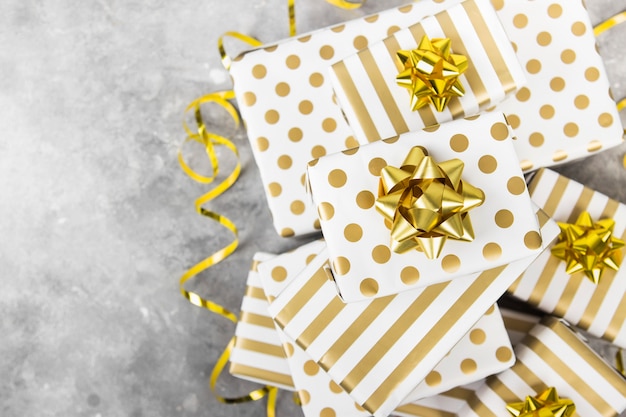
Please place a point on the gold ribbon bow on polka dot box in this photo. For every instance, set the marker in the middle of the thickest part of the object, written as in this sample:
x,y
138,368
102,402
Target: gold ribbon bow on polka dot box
x,y
344,187
258,353
599,308
566,110
289,108
482,351
377,107
552,355
380,350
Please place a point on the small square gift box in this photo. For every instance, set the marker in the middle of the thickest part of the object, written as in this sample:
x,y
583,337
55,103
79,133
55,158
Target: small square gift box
x,y
426,207
449,65
257,353
380,350
566,110
287,102
579,279
556,373
484,350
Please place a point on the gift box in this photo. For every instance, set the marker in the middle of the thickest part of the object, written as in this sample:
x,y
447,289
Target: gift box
x,y
485,341
518,324
257,353
598,308
446,404
364,261
378,106
287,102
552,356
380,350
566,110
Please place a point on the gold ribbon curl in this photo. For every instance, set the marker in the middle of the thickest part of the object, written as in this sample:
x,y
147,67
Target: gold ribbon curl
x,y
546,404
431,73
588,247
425,203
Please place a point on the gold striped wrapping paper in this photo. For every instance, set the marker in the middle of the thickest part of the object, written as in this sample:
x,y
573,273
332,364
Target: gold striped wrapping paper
x,y
344,187
599,309
287,103
553,355
566,110
258,354
369,348
481,352
377,108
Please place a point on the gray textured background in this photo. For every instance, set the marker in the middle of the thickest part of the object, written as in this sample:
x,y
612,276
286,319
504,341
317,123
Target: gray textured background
x,y
97,220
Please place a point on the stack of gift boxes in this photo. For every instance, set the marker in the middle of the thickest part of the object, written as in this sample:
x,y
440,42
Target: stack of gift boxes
x,y
404,137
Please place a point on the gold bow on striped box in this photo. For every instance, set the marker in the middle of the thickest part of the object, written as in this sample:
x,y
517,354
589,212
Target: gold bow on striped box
x,y
598,308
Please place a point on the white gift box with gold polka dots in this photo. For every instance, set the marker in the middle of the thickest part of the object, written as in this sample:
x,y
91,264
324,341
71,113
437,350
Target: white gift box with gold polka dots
x,y
287,102
553,355
380,350
344,187
257,353
483,351
377,107
599,309
566,110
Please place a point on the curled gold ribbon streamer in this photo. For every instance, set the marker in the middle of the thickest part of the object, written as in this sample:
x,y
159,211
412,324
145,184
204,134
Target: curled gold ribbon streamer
x,y
226,59
425,203
546,404
588,246
621,104
609,23
431,73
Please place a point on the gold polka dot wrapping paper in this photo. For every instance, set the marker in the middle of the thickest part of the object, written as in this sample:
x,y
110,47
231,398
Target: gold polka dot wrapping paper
x,y
377,108
482,351
344,185
599,308
287,101
566,111
257,353
380,350
553,355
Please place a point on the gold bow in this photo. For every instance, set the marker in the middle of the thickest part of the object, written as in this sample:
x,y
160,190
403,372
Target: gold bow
x,y
431,73
426,203
589,247
546,404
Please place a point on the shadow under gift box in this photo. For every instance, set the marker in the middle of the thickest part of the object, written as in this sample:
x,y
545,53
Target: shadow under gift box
x,y
482,351
344,187
553,355
390,344
564,112
599,309
288,105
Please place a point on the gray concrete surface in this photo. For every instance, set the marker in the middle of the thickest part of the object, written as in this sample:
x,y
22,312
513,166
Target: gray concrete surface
x,y
97,220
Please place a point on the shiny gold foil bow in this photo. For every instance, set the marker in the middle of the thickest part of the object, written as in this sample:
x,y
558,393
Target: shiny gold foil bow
x,y
589,247
546,404
426,203
431,73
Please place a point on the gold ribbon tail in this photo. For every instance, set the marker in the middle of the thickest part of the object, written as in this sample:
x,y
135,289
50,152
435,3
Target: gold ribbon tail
x,y
609,23
226,59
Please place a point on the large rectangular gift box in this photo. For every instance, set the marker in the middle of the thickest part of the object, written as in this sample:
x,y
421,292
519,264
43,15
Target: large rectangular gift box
x,y
482,351
364,261
377,107
380,350
599,308
257,353
552,355
564,112
287,102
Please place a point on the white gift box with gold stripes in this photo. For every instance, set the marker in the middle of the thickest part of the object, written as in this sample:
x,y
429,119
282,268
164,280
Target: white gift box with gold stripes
x,y
377,107
599,308
566,110
552,355
380,350
287,102
483,351
344,187
258,354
